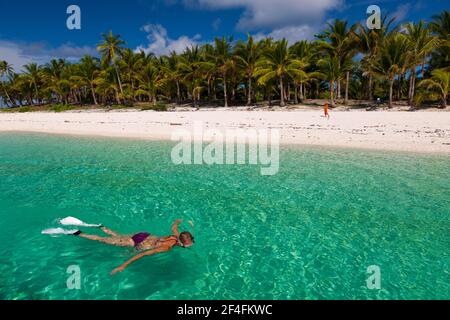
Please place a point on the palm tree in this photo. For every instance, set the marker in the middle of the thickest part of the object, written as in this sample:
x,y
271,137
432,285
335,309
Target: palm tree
x,y
132,64
193,70
56,82
440,26
209,71
339,39
369,42
223,59
106,86
6,70
33,75
421,43
150,81
331,70
278,63
392,61
89,70
305,52
247,55
172,73
111,49
439,85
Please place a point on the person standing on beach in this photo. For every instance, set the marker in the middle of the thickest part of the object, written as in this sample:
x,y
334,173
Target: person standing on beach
x,y
327,115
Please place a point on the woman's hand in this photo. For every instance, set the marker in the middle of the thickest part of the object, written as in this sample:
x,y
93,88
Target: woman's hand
x,y
117,270
175,227
139,256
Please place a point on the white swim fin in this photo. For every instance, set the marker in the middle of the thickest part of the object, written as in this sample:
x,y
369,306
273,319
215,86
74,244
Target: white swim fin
x,y
60,231
71,221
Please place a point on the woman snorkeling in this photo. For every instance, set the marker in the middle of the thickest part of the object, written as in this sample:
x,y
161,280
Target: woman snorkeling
x,y
143,241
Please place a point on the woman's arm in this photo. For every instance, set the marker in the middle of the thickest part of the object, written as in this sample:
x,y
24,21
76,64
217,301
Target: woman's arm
x,y
175,227
139,256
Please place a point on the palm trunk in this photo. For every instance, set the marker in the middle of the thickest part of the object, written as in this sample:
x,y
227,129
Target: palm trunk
x,y
370,87
36,92
282,104
178,92
391,92
302,96
412,85
338,89
209,89
332,94
288,93
225,89
117,98
194,97
296,94
444,102
399,89
8,97
423,69
347,82
93,95
249,98
118,78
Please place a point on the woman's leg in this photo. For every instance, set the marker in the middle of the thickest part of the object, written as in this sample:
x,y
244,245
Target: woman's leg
x,y
114,241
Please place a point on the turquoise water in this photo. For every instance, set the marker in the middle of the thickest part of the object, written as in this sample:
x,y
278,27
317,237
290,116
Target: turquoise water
x,y
309,232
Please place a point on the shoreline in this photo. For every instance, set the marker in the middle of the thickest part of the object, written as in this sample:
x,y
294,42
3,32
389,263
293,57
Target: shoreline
x,y
418,132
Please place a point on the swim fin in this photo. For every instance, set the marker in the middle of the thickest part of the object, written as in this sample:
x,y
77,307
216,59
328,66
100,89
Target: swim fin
x,y
71,221
61,231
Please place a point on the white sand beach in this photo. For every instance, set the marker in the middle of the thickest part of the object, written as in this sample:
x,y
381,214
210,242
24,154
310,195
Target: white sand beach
x,y
385,130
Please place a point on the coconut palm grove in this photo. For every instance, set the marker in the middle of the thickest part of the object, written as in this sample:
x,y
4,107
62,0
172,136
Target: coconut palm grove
x,y
396,63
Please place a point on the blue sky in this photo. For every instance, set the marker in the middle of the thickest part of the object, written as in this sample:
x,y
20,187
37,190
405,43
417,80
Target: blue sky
x,y
36,30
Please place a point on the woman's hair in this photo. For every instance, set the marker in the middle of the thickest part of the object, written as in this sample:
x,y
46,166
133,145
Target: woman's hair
x,y
186,236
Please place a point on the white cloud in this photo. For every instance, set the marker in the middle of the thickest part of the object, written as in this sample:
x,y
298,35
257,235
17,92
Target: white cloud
x,y
13,54
20,53
161,44
275,14
292,34
72,52
402,12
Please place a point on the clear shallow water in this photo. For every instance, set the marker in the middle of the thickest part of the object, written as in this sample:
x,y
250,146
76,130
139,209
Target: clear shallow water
x,y
309,232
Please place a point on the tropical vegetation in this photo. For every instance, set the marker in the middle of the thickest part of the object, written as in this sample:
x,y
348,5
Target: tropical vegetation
x,y
408,63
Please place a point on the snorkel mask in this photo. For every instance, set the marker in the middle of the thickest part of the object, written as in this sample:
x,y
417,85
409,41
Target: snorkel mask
x,y
180,243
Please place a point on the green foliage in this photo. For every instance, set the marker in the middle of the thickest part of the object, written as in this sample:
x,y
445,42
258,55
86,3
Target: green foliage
x,y
24,109
61,108
377,62
159,107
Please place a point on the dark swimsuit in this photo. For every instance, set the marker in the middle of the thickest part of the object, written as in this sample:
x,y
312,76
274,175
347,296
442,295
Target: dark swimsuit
x,y
139,238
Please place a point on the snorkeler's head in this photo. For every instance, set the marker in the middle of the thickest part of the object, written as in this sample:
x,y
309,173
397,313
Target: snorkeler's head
x,y
186,239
